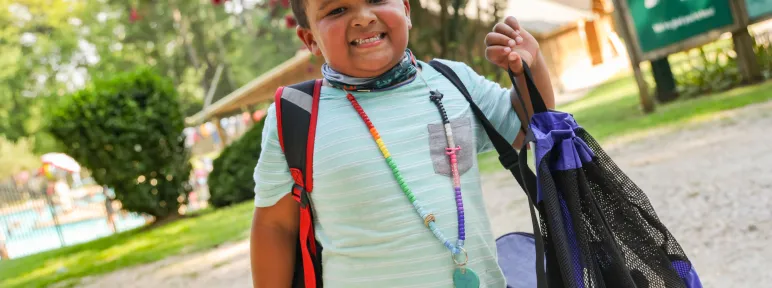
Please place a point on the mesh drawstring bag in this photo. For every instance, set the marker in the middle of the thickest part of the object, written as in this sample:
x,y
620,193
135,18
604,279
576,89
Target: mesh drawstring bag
x,y
595,227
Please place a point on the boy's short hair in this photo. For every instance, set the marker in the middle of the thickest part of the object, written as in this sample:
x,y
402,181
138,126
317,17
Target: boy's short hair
x,y
299,10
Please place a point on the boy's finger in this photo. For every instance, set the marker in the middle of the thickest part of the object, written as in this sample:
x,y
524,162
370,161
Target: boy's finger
x,y
498,54
495,38
512,22
505,29
515,62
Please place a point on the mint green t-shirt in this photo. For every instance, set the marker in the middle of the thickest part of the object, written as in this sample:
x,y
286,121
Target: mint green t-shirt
x,y
371,234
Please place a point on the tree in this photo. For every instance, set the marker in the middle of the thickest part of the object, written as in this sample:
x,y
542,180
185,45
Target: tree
x,y
127,130
52,48
231,179
37,47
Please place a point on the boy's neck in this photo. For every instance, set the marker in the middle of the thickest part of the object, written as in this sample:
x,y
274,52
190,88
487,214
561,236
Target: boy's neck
x,y
327,83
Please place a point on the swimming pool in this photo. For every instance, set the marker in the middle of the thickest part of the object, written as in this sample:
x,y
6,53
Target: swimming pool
x,y
22,237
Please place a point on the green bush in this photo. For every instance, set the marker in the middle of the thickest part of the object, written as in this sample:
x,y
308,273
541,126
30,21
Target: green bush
x,y
709,71
763,50
231,179
713,69
127,131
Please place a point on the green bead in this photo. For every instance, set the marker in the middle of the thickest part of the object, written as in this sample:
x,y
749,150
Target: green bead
x,y
411,197
405,188
391,163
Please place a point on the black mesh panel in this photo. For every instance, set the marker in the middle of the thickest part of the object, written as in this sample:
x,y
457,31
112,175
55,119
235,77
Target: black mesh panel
x,y
615,238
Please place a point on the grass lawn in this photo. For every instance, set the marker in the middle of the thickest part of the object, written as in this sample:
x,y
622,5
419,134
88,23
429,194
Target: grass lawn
x,y
613,109
610,110
128,248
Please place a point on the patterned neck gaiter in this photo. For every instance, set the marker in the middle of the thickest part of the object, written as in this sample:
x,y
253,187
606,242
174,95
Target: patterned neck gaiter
x,y
403,72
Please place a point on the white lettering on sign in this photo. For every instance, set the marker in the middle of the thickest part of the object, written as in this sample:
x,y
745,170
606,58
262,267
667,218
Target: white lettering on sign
x,y
677,22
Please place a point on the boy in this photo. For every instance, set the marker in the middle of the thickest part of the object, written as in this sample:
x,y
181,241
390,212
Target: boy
x,y
365,210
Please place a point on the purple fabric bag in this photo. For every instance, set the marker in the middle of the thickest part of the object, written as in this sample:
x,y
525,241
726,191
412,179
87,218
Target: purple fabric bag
x,y
595,227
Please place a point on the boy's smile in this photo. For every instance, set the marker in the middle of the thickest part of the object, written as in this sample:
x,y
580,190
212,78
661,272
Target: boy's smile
x,y
359,38
369,41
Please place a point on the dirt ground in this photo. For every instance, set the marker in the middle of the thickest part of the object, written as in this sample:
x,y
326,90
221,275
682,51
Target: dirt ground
x,y
710,183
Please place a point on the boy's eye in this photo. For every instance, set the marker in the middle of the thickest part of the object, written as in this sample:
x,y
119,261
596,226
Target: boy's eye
x,y
337,11
375,1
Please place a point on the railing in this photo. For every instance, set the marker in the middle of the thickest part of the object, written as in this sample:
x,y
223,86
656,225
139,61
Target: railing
x,y
40,215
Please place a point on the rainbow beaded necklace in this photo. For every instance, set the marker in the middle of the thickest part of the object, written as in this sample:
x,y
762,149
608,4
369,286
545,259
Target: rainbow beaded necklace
x,y
462,275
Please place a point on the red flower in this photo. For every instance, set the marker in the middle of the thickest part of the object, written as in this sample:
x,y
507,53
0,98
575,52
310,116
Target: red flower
x,y
134,15
285,3
218,2
290,21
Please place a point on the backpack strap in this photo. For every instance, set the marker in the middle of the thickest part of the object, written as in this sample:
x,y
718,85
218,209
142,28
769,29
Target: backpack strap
x,y
297,107
510,159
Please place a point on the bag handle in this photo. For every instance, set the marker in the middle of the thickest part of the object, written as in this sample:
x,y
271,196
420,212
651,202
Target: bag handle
x,y
508,156
537,102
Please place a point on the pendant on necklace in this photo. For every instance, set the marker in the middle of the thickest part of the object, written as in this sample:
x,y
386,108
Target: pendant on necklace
x,y
463,277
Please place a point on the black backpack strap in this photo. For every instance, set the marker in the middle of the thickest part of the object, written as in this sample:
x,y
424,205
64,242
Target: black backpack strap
x,y
296,112
508,157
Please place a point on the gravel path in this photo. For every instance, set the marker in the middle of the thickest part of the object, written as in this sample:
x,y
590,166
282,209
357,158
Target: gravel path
x,y
710,183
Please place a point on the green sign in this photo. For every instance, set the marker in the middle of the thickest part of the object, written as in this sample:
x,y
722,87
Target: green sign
x,y
758,8
660,23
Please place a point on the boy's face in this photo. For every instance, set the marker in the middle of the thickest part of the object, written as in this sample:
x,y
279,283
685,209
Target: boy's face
x,y
360,38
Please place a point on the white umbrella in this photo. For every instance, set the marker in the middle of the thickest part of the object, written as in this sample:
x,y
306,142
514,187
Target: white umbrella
x,y
61,161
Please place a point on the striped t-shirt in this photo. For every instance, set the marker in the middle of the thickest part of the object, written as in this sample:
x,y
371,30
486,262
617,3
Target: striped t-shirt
x,y
371,234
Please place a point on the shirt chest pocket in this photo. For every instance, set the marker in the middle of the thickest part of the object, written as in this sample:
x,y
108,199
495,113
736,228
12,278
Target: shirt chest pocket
x,y
463,138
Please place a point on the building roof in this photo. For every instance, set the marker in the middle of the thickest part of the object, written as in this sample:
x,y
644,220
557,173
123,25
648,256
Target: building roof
x,y
542,17
297,69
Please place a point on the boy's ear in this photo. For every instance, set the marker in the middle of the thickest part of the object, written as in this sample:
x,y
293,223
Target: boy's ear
x,y
407,13
307,37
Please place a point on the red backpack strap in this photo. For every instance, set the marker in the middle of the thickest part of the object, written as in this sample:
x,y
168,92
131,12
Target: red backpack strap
x,y
297,107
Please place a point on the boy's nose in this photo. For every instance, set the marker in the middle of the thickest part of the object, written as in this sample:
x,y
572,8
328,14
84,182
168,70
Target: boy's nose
x,y
364,18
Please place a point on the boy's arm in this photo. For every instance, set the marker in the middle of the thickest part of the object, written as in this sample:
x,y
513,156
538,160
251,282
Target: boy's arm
x,y
543,83
274,232
273,242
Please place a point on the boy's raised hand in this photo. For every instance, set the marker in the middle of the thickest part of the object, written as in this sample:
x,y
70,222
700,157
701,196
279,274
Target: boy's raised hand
x,y
508,44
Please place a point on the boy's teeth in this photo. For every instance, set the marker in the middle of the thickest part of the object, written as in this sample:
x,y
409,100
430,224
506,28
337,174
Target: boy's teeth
x,y
368,40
